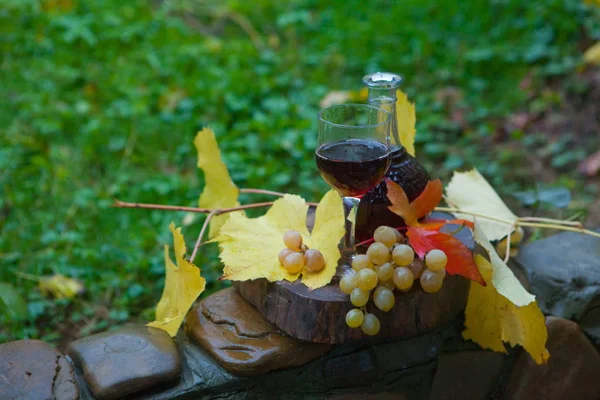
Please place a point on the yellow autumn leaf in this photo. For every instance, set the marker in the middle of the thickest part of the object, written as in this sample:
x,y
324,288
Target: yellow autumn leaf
x,y
250,246
406,119
592,55
219,190
505,282
503,311
491,319
60,286
183,285
469,191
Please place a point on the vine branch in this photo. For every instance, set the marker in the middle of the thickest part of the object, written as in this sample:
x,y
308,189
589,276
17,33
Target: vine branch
x,y
547,223
201,235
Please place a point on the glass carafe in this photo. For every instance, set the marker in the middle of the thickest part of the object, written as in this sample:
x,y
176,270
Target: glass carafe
x,y
405,170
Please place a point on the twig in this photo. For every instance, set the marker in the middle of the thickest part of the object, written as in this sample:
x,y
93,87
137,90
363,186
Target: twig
x,y
124,204
520,222
262,191
458,210
272,193
201,235
560,227
552,221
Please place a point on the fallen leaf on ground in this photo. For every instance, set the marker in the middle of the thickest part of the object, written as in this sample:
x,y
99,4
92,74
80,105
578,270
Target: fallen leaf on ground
x,y
335,97
183,285
591,165
219,190
592,54
469,191
406,121
250,246
60,286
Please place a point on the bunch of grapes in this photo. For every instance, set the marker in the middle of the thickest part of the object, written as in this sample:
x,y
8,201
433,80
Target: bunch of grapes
x,y
297,256
389,265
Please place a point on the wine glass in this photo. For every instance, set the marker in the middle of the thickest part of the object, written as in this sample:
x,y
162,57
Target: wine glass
x,y
353,154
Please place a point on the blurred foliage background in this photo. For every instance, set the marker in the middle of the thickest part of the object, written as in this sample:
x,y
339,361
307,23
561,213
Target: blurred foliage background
x,y
101,100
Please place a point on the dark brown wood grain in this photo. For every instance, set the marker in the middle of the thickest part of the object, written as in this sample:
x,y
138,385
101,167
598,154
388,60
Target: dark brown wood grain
x,y
319,315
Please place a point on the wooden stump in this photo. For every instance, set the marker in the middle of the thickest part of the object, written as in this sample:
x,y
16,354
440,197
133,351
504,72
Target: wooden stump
x,y
319,315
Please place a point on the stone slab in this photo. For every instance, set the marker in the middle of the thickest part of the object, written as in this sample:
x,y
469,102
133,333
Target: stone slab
x,y
571,373
32,369
467,375
241,340
564,273
125,361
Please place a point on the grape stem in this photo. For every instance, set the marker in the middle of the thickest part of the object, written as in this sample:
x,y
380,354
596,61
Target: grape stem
x,y
369,241
546,223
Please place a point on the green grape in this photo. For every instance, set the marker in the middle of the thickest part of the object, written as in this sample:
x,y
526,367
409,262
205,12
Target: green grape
x,y
367,279
388,284
314,261
436,260
432,281
385,272
354,318
293,240
294,262
348,282
370,325
399,236
384,299
361,261
403,278
283,254
416,267
386,235
359,297
378,253
403,255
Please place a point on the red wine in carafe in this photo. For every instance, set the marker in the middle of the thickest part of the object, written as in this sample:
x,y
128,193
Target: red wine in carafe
x,y
405,170
353,166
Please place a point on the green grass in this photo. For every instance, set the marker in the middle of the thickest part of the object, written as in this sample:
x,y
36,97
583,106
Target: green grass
x,y
102,101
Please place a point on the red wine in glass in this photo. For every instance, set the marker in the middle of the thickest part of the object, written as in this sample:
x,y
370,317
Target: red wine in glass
x,y
353,166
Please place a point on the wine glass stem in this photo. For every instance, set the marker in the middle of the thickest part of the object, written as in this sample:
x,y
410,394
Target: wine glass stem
x,y
349,238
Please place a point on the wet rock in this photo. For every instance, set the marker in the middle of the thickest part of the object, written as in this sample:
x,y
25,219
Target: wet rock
x,y
590,323
519,274
564,271
125,361
467,375
31,369
571,372
241,340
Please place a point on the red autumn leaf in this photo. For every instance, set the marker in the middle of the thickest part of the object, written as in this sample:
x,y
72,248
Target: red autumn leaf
x,y
429,198
400,204
460,258
432,223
